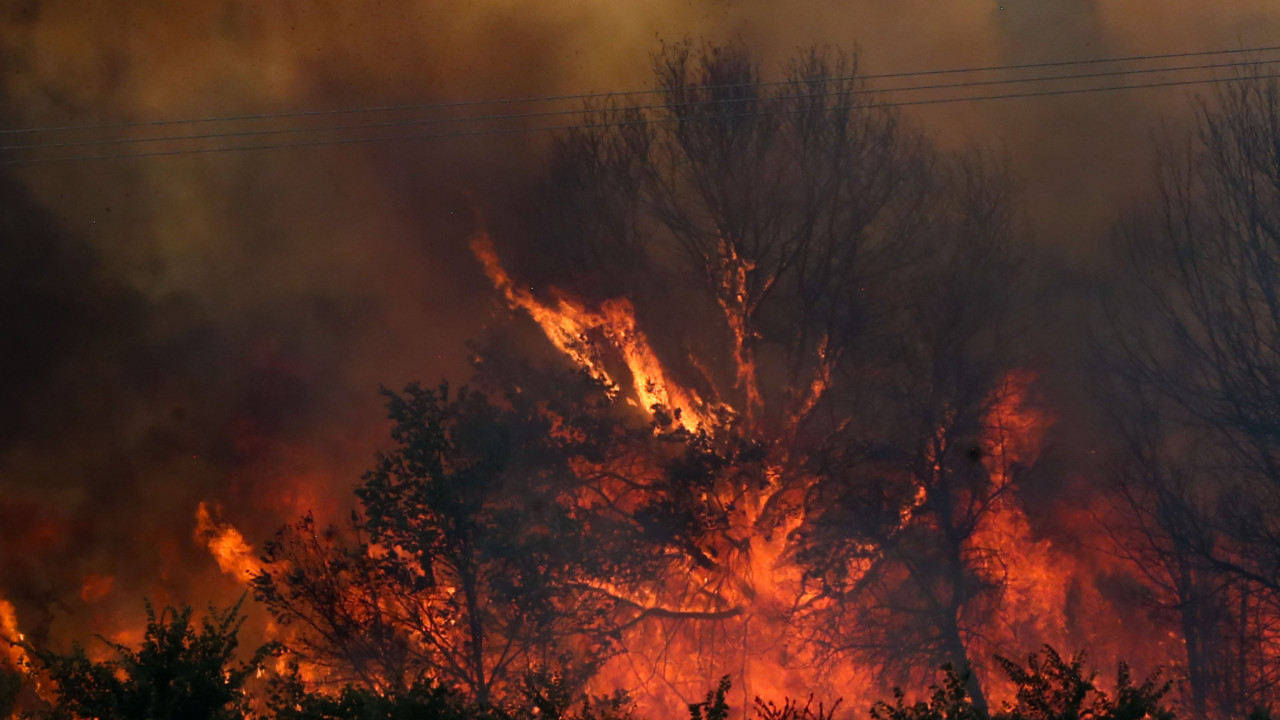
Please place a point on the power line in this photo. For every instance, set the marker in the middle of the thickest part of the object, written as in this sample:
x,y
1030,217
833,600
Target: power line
x,y
638,121
615,94
588,111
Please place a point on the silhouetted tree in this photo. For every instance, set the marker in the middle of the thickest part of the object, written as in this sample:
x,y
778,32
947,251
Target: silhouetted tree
x,y
486,549
1052,688
468,551
1195,354
180,672
890,543
848,291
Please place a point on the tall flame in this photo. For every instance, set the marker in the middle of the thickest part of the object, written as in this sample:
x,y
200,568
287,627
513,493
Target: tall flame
x,y
569,325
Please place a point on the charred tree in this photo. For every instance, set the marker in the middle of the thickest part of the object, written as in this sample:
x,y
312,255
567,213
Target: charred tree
x,y
893,543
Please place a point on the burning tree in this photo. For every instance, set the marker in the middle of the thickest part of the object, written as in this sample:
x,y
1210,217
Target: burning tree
x,y
487,550
812,466
846,298
901,566
1195,352
464,555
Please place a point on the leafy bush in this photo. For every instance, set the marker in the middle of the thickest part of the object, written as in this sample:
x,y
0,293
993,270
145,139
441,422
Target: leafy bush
x,y
1052,688
179,672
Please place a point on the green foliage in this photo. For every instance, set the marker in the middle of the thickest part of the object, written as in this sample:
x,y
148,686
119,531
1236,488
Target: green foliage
x,y
180,672
715,707
950,701
1052,688
545,697
290,699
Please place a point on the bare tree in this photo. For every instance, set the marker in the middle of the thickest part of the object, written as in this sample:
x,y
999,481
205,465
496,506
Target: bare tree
x,y
775,206
892,539
1155,520
1196,348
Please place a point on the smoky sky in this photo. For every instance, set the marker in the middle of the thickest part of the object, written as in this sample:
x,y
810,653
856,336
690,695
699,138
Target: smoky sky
x,y
215,327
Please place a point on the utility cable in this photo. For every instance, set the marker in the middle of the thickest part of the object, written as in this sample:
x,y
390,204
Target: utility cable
x,y
587,112
615,94
636,121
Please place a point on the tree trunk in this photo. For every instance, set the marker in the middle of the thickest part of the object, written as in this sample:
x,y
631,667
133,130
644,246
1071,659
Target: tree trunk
x,y
1193,637
959,657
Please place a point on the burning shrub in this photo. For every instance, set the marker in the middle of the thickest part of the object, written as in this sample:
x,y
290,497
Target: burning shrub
x,y
179,672
479,557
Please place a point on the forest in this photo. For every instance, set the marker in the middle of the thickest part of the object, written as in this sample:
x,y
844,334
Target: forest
x,y
760,430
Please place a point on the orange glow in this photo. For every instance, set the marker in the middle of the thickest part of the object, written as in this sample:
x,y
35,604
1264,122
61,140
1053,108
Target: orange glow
x,y
737,305
733,616
235,557
13,655
571,326
95,587
731,611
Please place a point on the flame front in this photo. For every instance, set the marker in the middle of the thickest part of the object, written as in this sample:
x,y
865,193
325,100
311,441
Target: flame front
x,y
735,611
756,584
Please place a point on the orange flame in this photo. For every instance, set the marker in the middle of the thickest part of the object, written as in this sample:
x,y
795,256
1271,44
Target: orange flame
x,y
14,654
569,325
755,584
235,556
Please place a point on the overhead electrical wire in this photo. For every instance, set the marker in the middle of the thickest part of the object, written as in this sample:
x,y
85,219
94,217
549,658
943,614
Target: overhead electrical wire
x,y
588,111
585,112
623,93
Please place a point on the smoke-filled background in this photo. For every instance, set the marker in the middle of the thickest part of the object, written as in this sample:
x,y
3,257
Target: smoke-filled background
x,y
214,328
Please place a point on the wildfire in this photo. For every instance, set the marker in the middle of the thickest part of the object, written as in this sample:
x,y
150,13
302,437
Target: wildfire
x,y
756,584
733,614
14,655
570,326
235,556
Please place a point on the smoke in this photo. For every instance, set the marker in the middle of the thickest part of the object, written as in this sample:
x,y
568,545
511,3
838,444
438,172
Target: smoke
x,y
214,327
